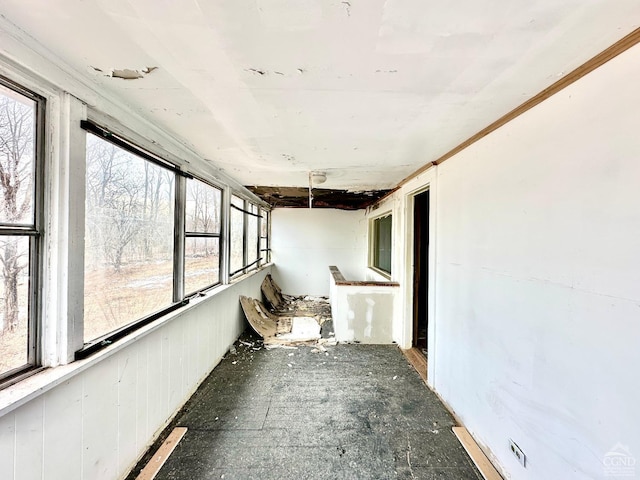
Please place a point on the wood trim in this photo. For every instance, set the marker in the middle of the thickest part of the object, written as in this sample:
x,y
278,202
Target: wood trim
x,y
417,361
152,468
480,460
339,280
589,66
415,357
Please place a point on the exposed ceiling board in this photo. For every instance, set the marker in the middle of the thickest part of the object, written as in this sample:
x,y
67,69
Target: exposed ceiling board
x,y
298,197
269,90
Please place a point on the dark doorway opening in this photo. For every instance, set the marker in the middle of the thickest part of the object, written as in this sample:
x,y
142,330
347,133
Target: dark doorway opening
x,y
420,270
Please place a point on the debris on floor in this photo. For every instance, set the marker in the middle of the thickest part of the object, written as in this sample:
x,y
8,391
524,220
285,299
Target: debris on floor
x,y
302,306
280,329
288,320
319,418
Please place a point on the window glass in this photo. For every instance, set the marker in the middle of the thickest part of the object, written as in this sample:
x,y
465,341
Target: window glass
x,y
252,237
382,243
236,237
202,242
14,292
19,230
202,207
128,238
17,157
202,263
264,237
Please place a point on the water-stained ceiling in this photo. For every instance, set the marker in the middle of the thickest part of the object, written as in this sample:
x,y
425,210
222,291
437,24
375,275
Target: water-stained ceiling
x,y
364,90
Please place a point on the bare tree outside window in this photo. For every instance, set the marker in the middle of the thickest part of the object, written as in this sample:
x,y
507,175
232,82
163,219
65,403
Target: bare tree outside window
x,y
252,236
128,238
202,242
236,236
17,163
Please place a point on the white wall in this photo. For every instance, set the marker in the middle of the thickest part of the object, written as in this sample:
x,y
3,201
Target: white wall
x,y
535,323
305,242
109,408
362,314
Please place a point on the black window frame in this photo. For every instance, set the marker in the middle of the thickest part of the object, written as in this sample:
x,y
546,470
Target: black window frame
x,y
253,265
264,219
196,234
178,297
35,233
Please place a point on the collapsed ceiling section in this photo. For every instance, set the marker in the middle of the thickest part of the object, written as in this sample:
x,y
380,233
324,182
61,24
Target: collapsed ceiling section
x,y
298,197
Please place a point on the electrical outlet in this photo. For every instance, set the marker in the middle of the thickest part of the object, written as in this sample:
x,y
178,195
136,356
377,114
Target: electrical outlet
x,y
519,454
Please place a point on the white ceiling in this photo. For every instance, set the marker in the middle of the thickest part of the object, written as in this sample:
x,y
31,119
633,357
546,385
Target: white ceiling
x,y
365,90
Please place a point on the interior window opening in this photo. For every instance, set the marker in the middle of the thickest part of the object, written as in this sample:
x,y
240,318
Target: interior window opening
x,y
380,254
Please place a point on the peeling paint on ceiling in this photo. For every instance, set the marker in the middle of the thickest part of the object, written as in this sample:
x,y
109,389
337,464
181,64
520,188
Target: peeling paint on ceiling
x,y
125,73
365,91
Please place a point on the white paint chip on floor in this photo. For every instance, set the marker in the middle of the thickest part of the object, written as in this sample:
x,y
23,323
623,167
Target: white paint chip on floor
x,y
302,329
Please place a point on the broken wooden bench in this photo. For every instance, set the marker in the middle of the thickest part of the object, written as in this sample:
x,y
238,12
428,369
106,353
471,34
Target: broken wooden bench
x,y
289,320
302,306
279,329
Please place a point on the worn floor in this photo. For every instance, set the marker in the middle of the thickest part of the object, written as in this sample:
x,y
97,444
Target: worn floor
x,y
353,412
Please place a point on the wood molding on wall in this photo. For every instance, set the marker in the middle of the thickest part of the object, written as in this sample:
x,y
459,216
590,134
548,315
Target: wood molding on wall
x,y
589,66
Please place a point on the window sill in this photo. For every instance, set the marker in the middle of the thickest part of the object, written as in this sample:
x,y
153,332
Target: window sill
x,y
382,273
41,381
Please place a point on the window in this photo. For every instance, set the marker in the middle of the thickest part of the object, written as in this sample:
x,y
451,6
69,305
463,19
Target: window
x,y
236,236
129,238
245,236
202,236
152,237
380,256
264,237
253,246
21,114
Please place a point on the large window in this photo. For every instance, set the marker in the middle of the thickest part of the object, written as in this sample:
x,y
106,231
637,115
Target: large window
x,y
380,255
152,237
21,114
202,242
129,233
245,236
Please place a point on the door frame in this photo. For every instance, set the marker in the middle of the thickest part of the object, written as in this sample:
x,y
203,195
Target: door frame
x,y
409,200
424,262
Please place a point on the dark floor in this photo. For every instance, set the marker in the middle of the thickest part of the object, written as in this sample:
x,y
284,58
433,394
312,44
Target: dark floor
x,y
353,412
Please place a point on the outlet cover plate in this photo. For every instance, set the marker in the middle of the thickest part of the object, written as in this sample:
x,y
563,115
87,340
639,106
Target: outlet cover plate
x,y
518,453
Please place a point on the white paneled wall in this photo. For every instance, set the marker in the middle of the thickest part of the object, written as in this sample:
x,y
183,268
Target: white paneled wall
x,y
98,422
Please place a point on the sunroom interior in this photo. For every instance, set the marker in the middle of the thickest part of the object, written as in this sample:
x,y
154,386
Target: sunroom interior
x,y
479,161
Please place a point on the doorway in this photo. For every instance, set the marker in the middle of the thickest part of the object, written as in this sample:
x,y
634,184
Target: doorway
x,y
420,271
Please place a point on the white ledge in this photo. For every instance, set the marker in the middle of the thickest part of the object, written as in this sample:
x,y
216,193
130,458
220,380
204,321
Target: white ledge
x,y
33,386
